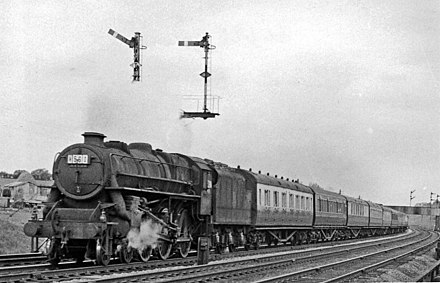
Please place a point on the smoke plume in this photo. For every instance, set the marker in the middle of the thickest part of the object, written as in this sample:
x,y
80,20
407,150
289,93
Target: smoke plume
x,y
146,236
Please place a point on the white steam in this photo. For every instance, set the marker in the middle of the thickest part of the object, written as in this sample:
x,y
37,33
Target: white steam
x,y
146,236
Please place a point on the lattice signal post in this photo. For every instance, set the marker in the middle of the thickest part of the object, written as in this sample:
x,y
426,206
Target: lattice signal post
x,y
204,43
135,43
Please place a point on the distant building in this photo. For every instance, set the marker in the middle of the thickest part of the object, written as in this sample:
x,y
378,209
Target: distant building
x,y
25,189
424,215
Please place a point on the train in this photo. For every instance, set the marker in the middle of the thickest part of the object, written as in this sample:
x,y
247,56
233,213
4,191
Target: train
x,y
116,200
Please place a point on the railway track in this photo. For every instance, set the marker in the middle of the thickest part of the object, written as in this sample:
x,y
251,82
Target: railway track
x,y
253,268
175,269
20,259
349,269
249,268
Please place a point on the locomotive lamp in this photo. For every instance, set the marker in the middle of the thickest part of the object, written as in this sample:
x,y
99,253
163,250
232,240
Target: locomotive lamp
x,y
103,217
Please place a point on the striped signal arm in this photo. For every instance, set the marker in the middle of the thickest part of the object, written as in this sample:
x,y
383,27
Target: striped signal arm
x,y
190,43
113,33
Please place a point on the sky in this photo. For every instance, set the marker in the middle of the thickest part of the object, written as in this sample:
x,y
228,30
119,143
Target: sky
x,y
344,94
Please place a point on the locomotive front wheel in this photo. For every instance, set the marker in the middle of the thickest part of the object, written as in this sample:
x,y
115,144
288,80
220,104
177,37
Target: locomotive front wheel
x,y
126,254
163,249
53,252
102,256
145,254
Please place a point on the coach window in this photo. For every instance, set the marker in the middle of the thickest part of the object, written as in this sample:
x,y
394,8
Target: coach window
x,y
291,201
259,196
303,206
266,198
276,200
284,200
297,205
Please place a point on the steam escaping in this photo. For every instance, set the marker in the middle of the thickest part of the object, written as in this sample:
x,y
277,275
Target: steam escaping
x,y
147,235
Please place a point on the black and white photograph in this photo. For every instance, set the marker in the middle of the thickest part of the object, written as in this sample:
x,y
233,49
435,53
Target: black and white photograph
x,y
220,141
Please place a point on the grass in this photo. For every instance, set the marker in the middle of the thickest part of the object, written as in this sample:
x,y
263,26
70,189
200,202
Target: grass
x,y
12,238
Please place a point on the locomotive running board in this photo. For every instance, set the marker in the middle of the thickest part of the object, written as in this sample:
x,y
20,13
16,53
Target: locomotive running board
x,y
151,191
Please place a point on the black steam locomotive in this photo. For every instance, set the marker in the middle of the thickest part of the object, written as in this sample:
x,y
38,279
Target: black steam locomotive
x,y
113,199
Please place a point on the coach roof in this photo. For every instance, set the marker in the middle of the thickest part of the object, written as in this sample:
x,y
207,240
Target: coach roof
x,y
276,182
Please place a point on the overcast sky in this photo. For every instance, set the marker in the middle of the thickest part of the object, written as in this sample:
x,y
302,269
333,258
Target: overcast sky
x,y
341,93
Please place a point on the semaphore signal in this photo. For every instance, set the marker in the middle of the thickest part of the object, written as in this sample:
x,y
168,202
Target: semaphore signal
x,y
204,43
135,43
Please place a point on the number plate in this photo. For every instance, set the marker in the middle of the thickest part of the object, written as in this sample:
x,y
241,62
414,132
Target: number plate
x,y
78,159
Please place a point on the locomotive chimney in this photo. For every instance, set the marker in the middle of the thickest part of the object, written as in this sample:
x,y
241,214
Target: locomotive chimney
x,y
93,138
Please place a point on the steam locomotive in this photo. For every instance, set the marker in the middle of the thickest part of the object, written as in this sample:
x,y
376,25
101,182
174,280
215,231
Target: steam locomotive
x,y
105,192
